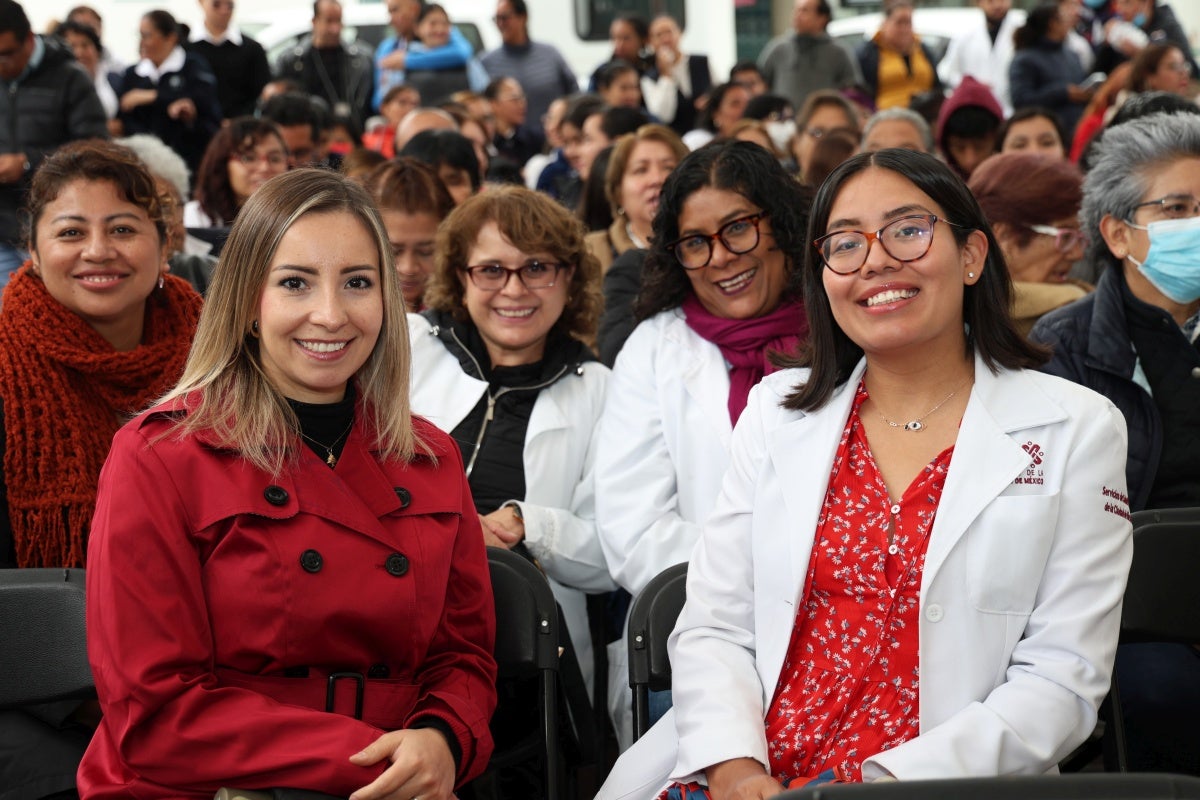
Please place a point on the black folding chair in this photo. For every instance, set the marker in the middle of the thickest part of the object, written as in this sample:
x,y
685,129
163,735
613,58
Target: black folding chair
x,y
527,633
1162,599
1150,515
651,619
1162,604
1082,786
43,639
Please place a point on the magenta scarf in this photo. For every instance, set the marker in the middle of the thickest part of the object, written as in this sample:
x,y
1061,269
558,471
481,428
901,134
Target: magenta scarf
x,y
747,343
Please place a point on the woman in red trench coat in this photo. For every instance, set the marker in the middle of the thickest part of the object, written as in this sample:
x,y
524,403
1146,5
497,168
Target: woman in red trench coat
x,y
286,582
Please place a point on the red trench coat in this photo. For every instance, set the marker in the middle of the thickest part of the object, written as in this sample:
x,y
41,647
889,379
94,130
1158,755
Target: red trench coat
x,y
210,585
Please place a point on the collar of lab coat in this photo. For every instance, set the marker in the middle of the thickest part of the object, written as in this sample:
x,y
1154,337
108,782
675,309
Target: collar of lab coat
x,y
987,458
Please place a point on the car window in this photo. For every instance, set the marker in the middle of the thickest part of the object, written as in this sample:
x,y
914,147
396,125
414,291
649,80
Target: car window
x,y
594,17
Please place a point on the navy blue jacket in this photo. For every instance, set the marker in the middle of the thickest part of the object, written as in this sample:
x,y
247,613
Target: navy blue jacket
x,y
1092,347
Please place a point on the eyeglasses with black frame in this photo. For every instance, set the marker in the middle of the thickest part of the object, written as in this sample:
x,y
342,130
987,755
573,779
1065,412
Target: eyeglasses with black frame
x,y
738,236
1174,206
532,274
904,239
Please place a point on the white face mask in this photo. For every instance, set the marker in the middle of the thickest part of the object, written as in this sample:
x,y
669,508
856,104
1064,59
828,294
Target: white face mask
x,y
781,132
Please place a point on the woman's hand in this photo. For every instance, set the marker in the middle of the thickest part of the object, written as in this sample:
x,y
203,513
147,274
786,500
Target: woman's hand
x,y
182,109
12,167
421,766
741,779
665,59
138,97
1077,94
394,60
503,528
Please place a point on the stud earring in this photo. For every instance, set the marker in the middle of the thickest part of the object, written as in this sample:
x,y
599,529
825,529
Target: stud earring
x,y
254,329
971,275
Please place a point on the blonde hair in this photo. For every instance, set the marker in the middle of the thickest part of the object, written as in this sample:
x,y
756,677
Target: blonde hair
x,y
533,223
229,396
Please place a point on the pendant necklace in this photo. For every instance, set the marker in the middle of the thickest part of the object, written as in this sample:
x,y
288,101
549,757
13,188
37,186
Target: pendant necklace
x,y
918,424
330,458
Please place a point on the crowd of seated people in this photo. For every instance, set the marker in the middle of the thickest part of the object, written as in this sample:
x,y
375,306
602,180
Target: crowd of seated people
x,y
294,352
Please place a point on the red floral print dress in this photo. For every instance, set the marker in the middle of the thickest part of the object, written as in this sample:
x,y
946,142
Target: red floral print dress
x,y
849,685
850,682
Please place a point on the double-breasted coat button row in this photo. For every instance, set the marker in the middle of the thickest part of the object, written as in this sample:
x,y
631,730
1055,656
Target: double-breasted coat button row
x,y
396,564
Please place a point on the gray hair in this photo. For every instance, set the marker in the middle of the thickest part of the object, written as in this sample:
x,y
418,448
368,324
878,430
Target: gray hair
x,y
900,114
160,159
1122,166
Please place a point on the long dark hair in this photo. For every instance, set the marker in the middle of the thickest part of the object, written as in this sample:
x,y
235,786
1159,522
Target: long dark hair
x,y
830,353
736,166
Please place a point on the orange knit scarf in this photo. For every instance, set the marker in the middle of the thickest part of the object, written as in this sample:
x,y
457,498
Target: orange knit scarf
x,y
66,391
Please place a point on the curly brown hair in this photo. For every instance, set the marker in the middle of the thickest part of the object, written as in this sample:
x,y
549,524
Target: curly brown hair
x,y
213,188
534,224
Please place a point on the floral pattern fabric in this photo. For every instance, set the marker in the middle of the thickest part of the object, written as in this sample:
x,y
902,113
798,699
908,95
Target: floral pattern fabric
x,y
849,687
850,684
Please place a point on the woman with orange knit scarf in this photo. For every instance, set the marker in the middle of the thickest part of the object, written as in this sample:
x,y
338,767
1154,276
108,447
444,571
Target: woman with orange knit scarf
x,y
92,329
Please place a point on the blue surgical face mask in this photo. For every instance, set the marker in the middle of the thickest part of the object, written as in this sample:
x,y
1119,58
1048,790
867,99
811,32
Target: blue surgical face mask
x,y
1096,4
1172,264
1140,19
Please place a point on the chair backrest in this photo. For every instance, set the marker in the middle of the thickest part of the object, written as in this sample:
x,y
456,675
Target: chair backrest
x,y
1149,515
1162,598
43,640
526,616
652,617
1079,786
527,633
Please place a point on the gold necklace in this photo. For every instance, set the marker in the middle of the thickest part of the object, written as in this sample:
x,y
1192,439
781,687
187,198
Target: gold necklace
x,y
330,458
917,425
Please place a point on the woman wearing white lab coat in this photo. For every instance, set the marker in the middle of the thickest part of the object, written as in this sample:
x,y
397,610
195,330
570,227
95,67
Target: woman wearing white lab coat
x,y
559,457
675,393
1023,567
498,363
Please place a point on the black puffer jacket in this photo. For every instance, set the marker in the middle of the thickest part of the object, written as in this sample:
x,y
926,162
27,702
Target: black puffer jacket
x,y
55,104
1092,347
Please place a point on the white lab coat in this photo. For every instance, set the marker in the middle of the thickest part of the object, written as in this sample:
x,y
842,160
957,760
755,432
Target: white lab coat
x,y
559,457
664,445
1020,595
973,53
